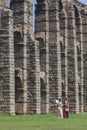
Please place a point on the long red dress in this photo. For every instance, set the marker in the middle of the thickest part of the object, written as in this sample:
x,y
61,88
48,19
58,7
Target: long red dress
x,y
65,113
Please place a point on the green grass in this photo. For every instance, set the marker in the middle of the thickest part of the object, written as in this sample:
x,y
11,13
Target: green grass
x,y
43,122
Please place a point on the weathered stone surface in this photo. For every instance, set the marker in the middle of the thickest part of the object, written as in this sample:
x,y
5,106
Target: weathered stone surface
x,y
64,27
34,73
7,63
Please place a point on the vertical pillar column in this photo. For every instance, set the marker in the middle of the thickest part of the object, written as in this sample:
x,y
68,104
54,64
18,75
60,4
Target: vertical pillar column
x,y
47,57
37,79
58,60
80,59
64,43
34,97
33,69
84,33
42,26
66,56
55,90
27,30
7,84
23,30
81,30
72,63
12,64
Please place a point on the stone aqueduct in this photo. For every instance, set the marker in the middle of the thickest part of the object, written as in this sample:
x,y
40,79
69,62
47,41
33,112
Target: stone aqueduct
x,y
36,69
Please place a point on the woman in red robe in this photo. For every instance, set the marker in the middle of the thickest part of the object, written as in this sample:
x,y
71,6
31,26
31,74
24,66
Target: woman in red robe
x,y
66,109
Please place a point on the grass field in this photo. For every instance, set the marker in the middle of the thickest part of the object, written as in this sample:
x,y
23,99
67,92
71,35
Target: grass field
x,y
43,122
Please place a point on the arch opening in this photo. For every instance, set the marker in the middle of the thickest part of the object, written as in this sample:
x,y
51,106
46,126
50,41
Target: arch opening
x,y
18,92
60,5
43,96
76,11
17,37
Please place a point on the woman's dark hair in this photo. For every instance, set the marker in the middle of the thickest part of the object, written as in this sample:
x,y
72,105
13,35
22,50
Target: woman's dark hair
x,y
66,99
59,99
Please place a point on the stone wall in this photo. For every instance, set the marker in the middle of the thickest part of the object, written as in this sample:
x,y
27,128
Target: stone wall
x,y
44,14
60,54
65,50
